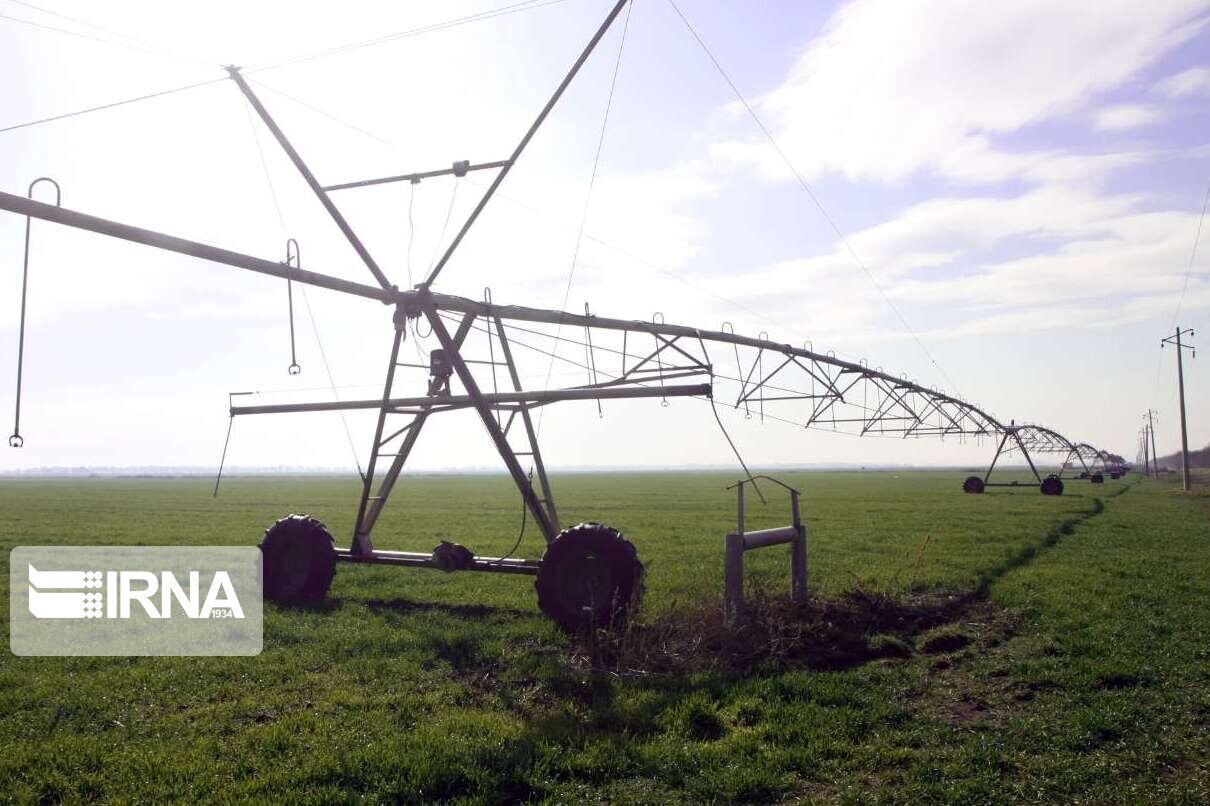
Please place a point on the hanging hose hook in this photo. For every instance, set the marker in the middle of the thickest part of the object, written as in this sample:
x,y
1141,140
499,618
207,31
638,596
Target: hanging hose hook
x,y
16,440
294,260
739,371
763,336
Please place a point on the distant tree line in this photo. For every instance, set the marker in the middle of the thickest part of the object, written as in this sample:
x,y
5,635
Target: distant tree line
x,y
1198,458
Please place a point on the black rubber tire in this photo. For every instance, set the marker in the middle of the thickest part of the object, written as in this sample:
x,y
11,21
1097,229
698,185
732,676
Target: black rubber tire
x,y
1097,478
589,566
1084,474
298,560
973,484
1052,485
1115,476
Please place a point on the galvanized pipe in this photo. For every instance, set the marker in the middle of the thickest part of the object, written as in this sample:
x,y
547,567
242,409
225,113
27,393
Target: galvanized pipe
x,y
183,246
417,559
416,177
535,396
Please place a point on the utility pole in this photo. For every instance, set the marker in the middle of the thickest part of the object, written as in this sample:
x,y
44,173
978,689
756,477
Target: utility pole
x,y
1146,455
1155,457
1175,339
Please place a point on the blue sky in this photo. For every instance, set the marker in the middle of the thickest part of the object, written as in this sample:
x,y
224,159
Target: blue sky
x,y
1022,181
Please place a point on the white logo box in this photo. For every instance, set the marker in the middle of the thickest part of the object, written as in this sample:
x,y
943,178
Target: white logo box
x,y
135,600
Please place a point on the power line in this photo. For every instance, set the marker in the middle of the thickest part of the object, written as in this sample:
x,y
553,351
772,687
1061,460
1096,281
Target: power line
x,y
1159,363
811,193
1192,256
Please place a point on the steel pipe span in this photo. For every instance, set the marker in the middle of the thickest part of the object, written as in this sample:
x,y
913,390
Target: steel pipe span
x,y
413,301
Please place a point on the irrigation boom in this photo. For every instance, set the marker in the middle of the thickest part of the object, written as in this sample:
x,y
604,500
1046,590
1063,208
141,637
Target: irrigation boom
x,y
588,568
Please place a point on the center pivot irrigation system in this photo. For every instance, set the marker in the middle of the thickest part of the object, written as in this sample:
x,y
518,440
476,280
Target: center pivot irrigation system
x,y
478,352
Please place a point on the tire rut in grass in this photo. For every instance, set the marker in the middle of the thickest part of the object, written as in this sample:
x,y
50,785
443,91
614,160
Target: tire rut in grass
x,y
1063,529
823,633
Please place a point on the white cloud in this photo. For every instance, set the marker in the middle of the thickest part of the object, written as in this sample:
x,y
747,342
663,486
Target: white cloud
x,y
1194,81
891,88
1084,259
1124,116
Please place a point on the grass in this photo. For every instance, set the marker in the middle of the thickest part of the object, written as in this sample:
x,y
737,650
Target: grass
x,y
959,648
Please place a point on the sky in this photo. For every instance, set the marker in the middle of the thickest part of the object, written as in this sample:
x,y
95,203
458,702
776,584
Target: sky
x,y
1001,201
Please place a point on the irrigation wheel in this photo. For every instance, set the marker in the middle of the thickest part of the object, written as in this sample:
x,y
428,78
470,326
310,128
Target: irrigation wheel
x,y
973,484
298,560
1052,485
1097,478
590,577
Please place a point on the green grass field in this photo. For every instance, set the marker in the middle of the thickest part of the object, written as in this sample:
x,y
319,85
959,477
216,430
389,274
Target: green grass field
x,y
1007,646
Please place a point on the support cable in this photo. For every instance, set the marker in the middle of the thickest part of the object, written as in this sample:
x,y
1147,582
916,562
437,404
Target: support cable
x,y
592,180
112,105
325,114
524,5
281,220
811,193
582,233
440,26
140,44
223,459
548,353
129,45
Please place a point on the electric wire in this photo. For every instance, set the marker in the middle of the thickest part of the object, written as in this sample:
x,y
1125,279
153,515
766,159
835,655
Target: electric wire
x,y
1159,363
411,228
811,194
445,224
735,450
411,240
521,532
1192,257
